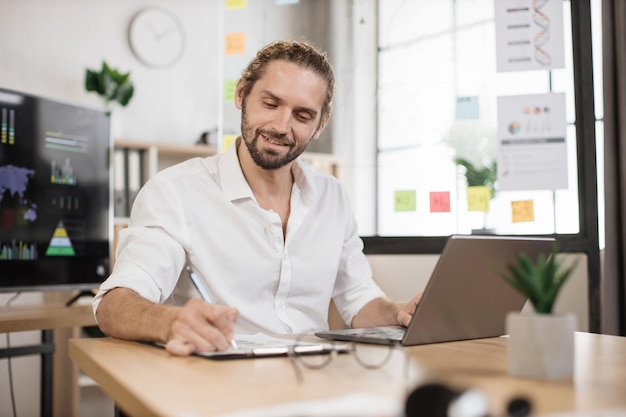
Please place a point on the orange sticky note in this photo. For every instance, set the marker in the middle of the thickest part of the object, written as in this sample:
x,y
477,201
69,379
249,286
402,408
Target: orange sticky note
x,y
439,201
236,4
523,211
227,140
404,200
235,43
478,198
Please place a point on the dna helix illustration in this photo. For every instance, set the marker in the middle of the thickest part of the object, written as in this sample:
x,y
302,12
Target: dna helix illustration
x,y
543,36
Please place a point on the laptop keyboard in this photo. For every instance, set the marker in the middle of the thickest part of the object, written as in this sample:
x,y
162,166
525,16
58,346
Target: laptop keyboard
x,y
392,333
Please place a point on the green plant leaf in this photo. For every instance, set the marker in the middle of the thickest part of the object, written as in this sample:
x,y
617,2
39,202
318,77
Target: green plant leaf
x,y
91,81
559,279
485,176
110,84
528,275
541,280
122,79
124,94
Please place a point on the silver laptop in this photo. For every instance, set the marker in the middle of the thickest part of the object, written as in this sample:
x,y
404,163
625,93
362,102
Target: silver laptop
x,y
465,297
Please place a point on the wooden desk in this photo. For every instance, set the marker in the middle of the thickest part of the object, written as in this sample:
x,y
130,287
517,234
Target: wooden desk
x,y
46,318
24,318
145,380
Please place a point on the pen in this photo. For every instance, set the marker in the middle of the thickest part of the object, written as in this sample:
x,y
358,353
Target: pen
x,y
204,294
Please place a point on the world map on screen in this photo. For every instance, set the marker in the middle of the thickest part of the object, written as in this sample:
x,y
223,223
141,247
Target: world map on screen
x,y
15,179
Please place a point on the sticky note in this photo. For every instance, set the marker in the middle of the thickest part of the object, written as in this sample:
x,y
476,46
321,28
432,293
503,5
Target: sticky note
x,y
227,140
229,89
523,211
404,200
235,43
478,198
439,201
467,107
236,4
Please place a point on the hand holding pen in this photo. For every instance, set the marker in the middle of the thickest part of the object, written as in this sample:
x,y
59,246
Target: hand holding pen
x,y
204,294
201,325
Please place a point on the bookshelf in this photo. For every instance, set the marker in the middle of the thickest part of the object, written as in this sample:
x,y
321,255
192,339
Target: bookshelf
x,y
135,162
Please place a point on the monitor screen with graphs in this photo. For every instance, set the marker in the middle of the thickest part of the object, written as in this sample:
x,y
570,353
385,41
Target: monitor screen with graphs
x,y
55,194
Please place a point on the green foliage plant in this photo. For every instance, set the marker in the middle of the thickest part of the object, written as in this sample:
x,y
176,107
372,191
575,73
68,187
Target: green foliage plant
x,y
479,176
112,85
540,281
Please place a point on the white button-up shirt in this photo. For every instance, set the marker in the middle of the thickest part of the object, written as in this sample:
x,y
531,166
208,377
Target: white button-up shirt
x,y
203,213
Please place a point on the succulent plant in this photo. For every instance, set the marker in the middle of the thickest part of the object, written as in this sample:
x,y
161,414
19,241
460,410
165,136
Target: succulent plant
x,y
541,281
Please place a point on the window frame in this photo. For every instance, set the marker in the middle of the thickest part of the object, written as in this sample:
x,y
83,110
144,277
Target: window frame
x,y
587,240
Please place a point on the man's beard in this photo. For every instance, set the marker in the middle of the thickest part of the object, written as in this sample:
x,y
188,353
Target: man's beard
x,y
267,159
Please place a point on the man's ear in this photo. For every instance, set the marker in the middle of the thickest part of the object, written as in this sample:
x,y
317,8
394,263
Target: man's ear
x,y
239,94
322,126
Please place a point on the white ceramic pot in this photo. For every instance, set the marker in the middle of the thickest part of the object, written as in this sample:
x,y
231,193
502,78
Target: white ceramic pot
x,y
541,346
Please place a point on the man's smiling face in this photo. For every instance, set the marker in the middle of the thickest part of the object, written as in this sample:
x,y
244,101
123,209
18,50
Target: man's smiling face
x,y
282,113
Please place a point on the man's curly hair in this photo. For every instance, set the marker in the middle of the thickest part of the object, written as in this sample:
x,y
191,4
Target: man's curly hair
x,y
297,52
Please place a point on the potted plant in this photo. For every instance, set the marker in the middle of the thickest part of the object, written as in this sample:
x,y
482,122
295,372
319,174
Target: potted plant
x,y
113,86
479,176
110,84
541,342
481,180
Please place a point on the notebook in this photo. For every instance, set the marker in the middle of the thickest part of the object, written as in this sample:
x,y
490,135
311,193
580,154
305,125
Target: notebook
x,y
465,297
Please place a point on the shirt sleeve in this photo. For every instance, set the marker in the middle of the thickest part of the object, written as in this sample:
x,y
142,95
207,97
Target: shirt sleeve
x,y
355,286
151,252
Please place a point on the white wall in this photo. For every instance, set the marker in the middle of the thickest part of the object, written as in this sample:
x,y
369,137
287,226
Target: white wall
x,y
46,46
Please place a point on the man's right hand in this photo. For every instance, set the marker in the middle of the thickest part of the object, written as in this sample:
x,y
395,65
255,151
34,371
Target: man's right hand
x,y
198,326
203,327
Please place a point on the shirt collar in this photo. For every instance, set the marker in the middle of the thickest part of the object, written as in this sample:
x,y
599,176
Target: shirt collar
x,y
235,186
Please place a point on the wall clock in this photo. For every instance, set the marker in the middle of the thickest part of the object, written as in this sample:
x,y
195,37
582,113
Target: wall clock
x,y
156,37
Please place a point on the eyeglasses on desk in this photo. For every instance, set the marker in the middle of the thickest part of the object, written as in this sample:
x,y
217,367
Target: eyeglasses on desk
x,y
366,355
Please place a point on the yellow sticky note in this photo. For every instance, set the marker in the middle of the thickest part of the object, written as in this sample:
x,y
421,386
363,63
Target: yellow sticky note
x,y
236,4
227,140
478,198
229,89
523,211
404,200
235,43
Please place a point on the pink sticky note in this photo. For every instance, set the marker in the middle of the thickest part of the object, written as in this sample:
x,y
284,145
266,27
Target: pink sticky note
x,y
440,201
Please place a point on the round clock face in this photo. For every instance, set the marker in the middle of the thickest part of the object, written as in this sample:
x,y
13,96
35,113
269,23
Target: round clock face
x,y
156,37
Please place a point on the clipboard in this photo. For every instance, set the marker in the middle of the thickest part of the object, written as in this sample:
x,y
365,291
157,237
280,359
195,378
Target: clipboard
x,y
260,345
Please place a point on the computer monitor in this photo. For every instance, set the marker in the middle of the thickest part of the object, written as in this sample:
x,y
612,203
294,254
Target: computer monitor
x,y
55,194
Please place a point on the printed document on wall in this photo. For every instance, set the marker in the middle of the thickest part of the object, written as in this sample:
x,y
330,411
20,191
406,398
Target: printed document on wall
x,y
529,34
533,147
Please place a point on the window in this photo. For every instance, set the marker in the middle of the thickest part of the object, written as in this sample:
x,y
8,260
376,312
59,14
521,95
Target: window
x,y
438,91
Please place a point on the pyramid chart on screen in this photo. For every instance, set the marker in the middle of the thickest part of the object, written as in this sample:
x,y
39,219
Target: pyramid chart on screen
x,y
60,244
